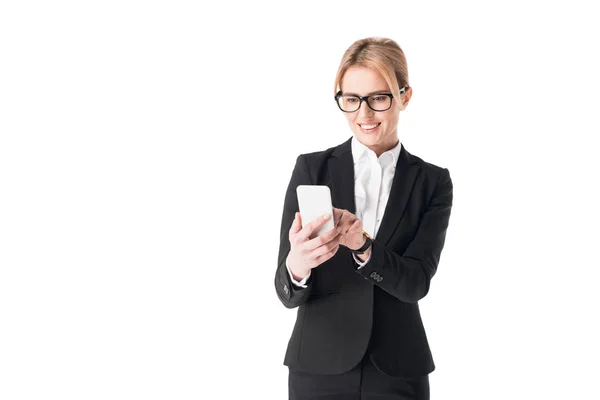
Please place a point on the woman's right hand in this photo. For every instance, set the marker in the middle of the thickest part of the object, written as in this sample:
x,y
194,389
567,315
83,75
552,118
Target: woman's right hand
x,y
306,254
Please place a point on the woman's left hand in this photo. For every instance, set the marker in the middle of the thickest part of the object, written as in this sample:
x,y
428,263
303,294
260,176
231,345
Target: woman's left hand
x,y
351,227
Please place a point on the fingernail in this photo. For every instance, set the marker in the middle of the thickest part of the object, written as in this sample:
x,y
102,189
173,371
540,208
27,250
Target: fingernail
x,y
326,217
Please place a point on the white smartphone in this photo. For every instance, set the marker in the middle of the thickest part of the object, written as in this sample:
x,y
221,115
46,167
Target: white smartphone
x,y
314,201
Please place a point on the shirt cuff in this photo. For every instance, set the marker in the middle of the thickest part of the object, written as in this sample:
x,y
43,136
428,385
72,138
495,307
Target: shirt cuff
x,y
359,262
302,283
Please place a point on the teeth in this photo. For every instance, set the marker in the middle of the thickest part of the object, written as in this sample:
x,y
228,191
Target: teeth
x,y
369,126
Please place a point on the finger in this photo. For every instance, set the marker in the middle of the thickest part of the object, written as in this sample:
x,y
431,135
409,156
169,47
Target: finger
x,y
353,221
312,226
321,259
337,214
357,226
325,248
296,224
345,220
321,240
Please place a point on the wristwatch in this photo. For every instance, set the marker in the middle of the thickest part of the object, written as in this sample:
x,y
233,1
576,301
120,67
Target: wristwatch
x,y
364,247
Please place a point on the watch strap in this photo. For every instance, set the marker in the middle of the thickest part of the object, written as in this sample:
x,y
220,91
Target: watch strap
x,y
365,246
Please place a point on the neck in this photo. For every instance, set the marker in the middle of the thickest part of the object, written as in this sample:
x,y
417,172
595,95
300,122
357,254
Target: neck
x,y
379,149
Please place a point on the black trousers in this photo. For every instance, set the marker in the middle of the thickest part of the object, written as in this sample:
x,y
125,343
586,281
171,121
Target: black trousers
x,y
363,382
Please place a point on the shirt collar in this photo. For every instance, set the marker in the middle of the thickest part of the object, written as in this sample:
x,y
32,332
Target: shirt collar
x,y
359,150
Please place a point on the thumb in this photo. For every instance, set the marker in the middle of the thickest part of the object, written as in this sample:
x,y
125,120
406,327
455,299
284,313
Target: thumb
x,y
296,224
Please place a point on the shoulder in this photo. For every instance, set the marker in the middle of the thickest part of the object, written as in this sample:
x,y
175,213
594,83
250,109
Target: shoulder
x,y
315,159
434,176
427,167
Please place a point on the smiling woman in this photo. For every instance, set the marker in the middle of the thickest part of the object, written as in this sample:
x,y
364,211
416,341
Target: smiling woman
x,y
391,212
376,72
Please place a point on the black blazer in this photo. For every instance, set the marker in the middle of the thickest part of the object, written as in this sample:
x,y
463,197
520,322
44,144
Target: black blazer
x,y
345,310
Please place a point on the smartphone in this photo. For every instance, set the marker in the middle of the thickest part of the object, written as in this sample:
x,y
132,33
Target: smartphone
x,y
314,201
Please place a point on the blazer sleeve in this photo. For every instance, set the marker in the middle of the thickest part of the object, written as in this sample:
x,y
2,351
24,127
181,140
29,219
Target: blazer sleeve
x,y
407,276
289,294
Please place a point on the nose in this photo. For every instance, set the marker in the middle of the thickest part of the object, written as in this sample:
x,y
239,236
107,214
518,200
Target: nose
x,y
365,110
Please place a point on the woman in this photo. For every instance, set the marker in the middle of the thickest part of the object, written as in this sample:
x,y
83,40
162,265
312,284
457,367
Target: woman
x,y
358,332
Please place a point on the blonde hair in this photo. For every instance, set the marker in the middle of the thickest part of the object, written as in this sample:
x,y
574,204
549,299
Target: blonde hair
x,y
380,54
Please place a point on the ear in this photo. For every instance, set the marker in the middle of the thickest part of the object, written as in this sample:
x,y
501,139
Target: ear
x,y
405,98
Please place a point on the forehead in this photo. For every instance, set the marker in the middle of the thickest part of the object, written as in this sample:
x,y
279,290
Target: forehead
x,y
363,80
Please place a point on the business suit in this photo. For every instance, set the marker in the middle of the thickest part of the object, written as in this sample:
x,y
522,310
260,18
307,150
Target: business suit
x,y
345,310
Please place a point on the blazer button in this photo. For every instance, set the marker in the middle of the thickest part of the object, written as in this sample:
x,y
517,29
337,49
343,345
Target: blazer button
x,y
376,277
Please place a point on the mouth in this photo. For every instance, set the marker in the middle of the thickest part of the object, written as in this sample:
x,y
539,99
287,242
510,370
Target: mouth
x,y
370,127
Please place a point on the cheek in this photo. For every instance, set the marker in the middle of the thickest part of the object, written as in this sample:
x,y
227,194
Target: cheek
x,y
350,117
391,121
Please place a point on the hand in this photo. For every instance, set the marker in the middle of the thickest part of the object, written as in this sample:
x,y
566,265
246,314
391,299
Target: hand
x,y
306,254
351,229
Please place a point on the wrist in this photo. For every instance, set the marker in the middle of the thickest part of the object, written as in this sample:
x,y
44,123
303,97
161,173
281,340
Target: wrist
x,y
363,240
365,244
298,276
364,256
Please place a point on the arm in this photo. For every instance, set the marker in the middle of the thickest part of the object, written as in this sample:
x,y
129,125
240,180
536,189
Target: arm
x,y
407,276
290,294
302,282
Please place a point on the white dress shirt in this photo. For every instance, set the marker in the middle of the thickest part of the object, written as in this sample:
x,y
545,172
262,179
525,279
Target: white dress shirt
x,y
373,178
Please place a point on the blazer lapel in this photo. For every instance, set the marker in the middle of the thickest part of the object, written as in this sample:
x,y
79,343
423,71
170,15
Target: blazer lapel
x,y
402,186
341,171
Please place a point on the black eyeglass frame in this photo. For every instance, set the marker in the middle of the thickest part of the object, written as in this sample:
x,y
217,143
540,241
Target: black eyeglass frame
x,y
365,99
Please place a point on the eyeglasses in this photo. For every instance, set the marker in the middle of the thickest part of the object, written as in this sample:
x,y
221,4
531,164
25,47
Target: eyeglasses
x,y
376,102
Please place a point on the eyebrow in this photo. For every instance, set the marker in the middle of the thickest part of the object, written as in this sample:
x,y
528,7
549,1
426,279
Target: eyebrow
x,y
368,94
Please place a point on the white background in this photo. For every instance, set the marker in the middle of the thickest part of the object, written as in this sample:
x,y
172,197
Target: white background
x,y
145,149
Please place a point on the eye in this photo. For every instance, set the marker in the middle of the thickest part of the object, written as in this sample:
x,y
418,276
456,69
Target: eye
x,y
351,99
380,98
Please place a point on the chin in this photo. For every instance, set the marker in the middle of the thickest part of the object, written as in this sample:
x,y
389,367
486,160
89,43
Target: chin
x,y
370,139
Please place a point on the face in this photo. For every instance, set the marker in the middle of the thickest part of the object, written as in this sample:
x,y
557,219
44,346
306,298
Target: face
x,y
378,130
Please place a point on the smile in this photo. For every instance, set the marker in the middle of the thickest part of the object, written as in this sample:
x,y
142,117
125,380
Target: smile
x,y
369,127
